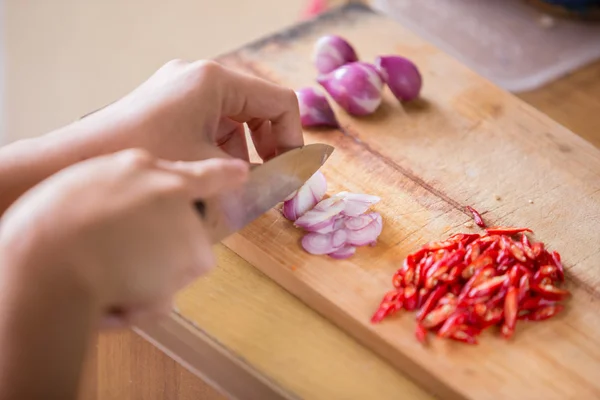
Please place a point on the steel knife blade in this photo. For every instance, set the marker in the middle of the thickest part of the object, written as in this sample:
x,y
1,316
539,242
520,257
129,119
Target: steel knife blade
x,y
268,184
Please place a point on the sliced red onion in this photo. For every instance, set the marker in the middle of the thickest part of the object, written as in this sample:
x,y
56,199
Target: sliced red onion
x,y
339,238
356,87
331,52
401,75
319,243
317,219
358,222
314,108
344,252
366,235
357,203
333,224
305,198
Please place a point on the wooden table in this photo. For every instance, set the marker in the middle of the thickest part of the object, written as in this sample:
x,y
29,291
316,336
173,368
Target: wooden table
x,y
287,342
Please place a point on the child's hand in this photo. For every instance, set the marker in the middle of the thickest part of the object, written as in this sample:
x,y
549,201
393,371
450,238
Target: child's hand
x,y
123,226
190,111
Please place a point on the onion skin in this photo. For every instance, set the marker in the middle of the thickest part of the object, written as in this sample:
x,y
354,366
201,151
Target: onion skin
x,y
305,198
331,52
356,87
314,108
401,75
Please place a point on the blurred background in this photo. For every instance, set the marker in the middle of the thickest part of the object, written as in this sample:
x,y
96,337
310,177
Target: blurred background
x,y
63,58
60,59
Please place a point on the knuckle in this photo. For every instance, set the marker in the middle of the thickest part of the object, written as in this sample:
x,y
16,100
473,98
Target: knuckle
x,y
175,63
290,97
207,69
172,185
136,158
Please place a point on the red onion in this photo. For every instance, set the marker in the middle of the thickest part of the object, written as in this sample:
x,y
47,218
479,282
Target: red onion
x,y
344,252
357,203
320,243
356,87
366,235
318,219
338,224
401,75
305,198
331,52
314,108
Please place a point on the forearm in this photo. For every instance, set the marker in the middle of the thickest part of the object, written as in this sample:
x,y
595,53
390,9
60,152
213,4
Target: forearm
x,y
25,163
46,323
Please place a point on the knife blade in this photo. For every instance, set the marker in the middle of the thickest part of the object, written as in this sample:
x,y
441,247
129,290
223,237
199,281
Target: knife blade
x,y
268,184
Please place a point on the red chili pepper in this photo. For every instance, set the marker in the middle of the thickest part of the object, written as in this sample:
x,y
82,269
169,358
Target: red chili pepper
x,y
523,287
537,249
543,313
464,238
550,292
448,244
438,315
421,333
513,275
559,266
511,304
506,231
431,302
482,262
492,317
469,282
473,252
487,287
476,217
464,336
410,298
533,303
516,250
452,324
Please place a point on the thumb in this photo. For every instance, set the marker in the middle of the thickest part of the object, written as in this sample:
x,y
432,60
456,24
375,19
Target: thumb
x,y
209,177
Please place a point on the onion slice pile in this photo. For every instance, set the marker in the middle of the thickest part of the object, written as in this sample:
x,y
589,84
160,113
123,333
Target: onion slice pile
x,y
337,225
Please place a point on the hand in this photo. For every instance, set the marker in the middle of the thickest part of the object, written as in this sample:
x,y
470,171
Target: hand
x,y
123,225
190,111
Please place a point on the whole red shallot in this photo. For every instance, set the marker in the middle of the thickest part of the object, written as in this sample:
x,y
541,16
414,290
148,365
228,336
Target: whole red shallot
x,y
356,87
314,108
401,75
331,52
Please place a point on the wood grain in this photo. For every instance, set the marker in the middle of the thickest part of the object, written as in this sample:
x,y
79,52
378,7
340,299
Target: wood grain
x,y
124,366
573,101
465,143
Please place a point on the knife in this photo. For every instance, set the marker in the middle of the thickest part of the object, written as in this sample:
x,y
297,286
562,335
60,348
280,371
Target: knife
x,y
268,184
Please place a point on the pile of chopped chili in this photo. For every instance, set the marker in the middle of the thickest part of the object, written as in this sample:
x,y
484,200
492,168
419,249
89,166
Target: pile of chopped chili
x,y
470,282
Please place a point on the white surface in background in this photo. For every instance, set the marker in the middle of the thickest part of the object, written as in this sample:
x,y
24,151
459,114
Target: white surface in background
x,y
509,42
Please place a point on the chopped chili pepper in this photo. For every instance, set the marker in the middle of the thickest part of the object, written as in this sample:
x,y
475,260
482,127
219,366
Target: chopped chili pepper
x,y
431,302
410,298
543,313
476,217
421,333
506,231
559,266
470,282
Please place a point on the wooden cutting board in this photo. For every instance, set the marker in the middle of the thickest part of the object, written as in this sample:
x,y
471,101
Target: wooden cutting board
x,y
466,142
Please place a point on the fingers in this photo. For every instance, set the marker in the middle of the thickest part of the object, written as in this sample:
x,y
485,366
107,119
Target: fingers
x,y
231,138
245,98
209,177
